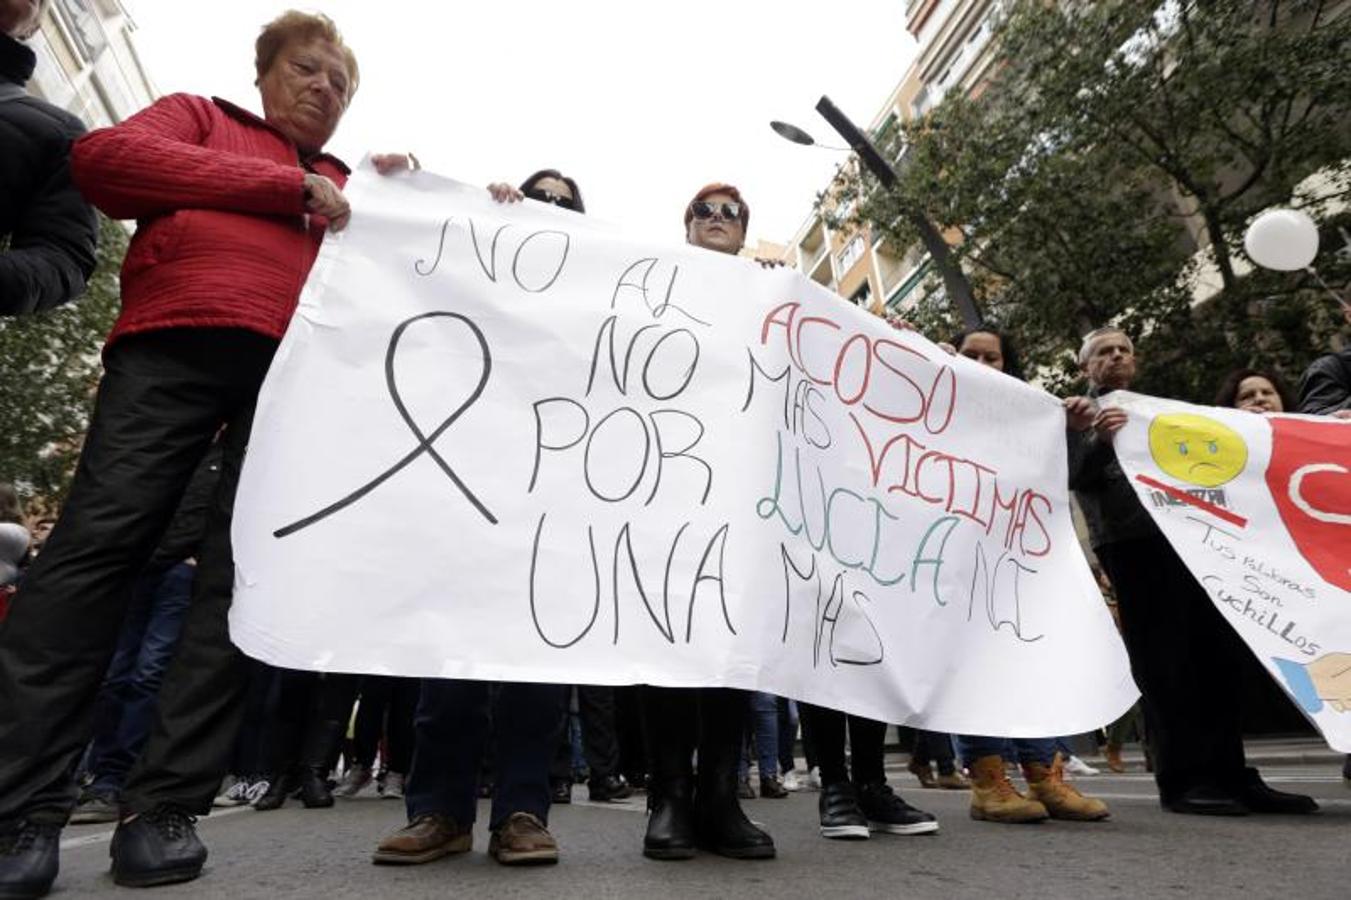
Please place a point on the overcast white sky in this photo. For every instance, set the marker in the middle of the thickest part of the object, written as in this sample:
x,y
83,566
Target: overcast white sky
x,y
641,102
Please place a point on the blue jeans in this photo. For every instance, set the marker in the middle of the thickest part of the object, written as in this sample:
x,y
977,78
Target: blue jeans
x,y
453,718
1027,750
125,707
765,732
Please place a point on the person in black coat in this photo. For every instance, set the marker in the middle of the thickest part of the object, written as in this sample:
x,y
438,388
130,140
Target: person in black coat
x,y
1325,389
50,229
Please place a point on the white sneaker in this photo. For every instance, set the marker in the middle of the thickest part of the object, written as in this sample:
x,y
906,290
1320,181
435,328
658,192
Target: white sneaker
x,y
235,795
392,787
1076,766
814,778
254,790
355,780
792,781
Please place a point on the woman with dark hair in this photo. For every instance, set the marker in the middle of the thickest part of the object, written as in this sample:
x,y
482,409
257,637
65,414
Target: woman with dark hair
x,y
993,796
990,346
545,186
1255,390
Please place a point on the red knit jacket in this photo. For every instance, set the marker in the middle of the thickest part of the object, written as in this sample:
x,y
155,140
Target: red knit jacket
x,y
222,238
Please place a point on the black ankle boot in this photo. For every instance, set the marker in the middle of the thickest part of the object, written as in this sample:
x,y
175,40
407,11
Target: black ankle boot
x,y
720,825
670,824
314,790
321,744
157,847
279,787
29,858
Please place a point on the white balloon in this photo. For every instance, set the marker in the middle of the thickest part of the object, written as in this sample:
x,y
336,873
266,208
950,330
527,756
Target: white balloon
x,y
1282,239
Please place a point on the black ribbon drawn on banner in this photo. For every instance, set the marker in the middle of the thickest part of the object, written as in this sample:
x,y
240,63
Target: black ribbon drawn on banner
x,y
425,441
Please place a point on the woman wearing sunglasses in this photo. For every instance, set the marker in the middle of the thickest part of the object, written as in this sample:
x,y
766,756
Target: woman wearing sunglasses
x,y
545,186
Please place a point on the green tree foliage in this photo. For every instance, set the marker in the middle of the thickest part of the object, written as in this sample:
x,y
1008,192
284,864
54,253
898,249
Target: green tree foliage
x,y
49,368
1115,140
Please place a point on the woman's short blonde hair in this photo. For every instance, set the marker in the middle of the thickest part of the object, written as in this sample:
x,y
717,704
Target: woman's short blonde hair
x,y
293,25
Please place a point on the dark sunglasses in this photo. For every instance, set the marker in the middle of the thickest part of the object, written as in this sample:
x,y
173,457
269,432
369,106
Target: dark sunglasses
x,y
702,209
544,196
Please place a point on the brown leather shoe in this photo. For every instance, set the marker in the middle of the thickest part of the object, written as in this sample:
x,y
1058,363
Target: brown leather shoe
x,y
428,837
924,772
953,781
522,840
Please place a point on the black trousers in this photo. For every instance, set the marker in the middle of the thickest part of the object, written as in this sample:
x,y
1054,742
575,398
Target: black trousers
x,y
1186,658
163,397
388,707
452,725
866,741
935,747
600,743
630,734
679,721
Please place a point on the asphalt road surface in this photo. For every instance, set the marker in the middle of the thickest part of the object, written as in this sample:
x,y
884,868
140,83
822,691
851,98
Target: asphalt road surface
x,y
1140,852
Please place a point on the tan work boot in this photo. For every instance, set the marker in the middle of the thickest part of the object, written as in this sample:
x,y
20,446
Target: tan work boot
x,y
995,799
428,837
1047,784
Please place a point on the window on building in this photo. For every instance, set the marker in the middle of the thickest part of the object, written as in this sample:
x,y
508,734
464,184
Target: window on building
x,y
82,22
850,254
862,296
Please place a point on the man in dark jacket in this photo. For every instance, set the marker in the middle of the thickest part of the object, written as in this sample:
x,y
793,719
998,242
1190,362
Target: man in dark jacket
x,y
1325,389
1184,655
51,229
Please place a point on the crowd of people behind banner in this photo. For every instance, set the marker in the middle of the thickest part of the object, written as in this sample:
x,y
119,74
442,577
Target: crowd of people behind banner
x,y
124,700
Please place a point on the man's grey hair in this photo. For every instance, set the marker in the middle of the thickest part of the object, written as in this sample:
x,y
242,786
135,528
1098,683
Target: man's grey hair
x,y
1096,333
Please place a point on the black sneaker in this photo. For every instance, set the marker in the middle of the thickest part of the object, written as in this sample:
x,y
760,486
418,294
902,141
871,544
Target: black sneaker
x,y
157,847
889,813
841,817
560,790
95,808
29,857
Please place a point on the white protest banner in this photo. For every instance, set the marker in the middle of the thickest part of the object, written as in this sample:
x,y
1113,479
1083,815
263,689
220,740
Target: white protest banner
x,y
510,442
1259,509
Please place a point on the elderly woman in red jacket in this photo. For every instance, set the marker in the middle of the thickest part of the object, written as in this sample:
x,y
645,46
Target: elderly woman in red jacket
x,y
231,210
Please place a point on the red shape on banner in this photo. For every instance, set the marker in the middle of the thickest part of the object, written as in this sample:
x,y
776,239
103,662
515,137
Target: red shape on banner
x,y
1310,480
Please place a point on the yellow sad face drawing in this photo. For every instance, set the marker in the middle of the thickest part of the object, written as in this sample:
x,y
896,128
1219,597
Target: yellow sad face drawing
x,y
1196,449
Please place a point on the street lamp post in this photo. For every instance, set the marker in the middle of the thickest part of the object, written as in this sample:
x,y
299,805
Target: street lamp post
x,y
954,280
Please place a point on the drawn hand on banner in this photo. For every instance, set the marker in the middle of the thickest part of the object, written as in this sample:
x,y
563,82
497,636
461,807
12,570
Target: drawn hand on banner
x,y
1325,680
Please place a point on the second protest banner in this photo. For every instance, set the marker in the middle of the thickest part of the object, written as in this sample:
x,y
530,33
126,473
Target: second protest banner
x,y
514,443
1259,509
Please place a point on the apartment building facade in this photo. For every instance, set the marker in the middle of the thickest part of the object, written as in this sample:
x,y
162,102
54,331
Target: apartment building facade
x,y
88,63
954,53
